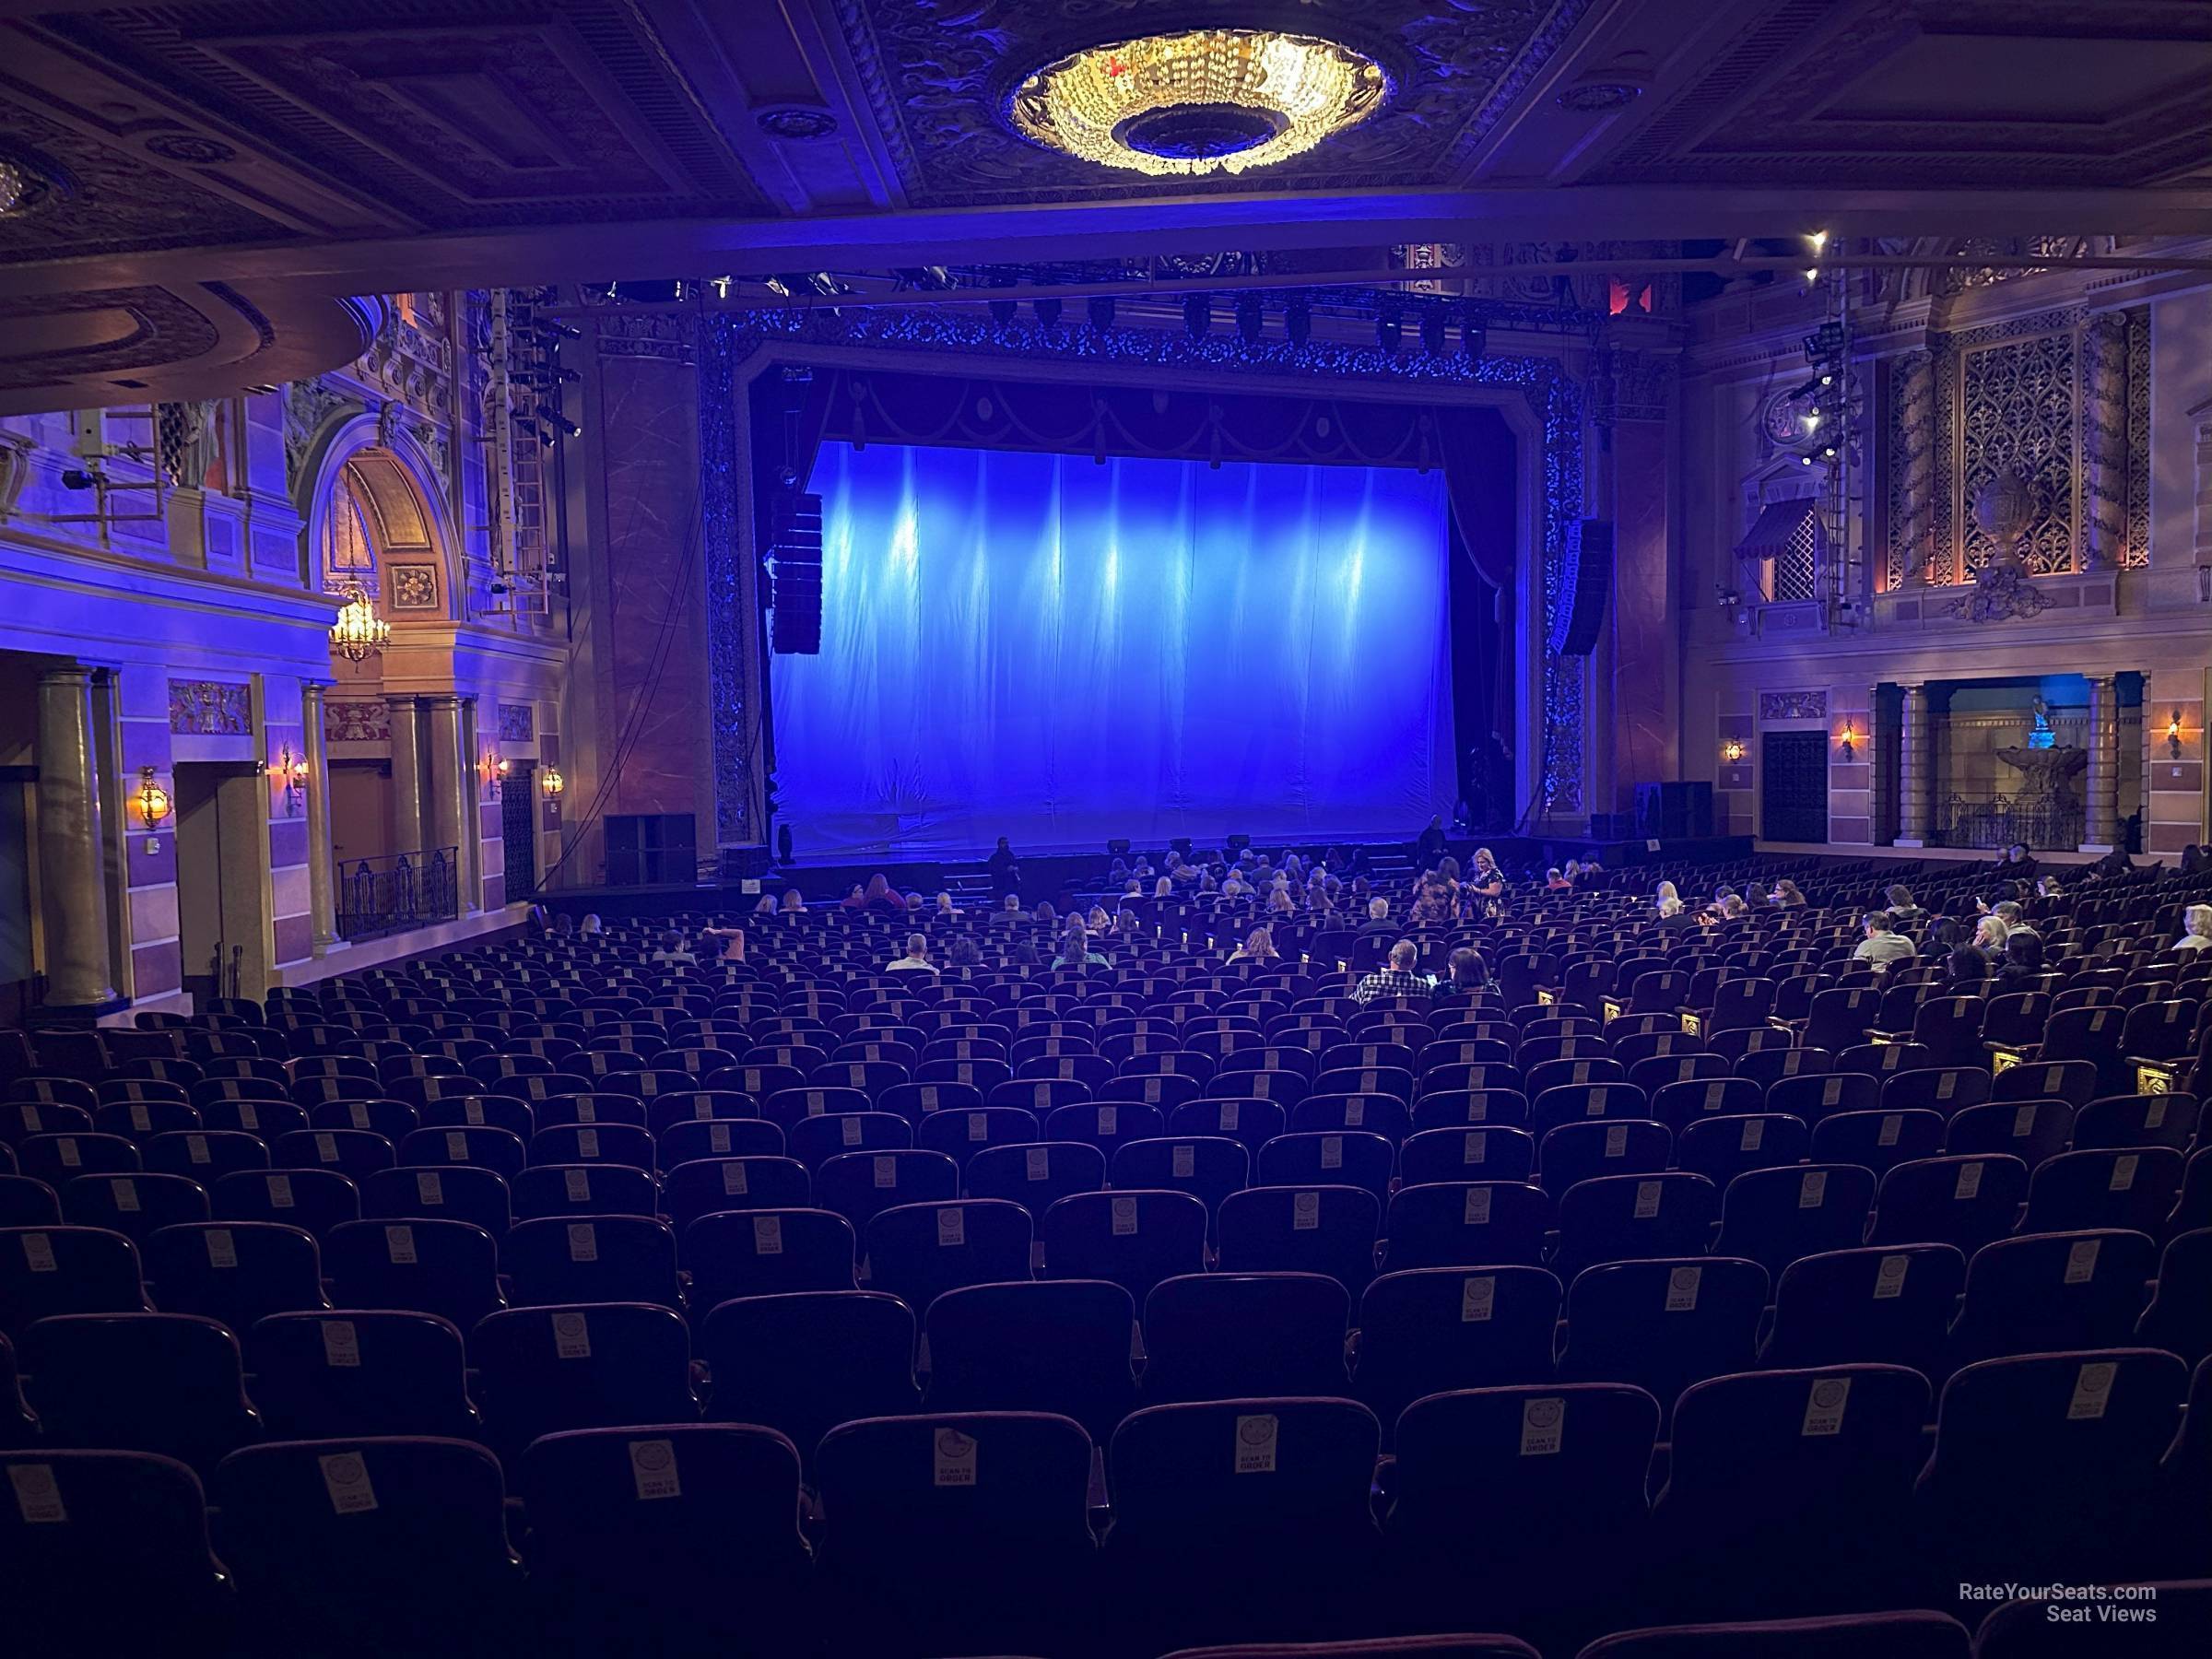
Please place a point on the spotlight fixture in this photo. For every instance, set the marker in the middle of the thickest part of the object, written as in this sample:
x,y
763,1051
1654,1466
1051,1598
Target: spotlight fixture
x,y
1101,311
1389,330
79,478
1252,319
1048,311
1298,321
1197,315
1474,338
1432,330
1198,101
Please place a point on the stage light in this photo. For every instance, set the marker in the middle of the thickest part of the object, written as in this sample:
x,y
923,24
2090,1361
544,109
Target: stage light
x,y
1197,315
1818,239
1101,311
1474,338
1432,330
1298,321
1048,311
935,278
778,287
1389,330
1252,319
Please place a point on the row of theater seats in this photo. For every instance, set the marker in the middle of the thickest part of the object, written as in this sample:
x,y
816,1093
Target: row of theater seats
x,y
1554,1511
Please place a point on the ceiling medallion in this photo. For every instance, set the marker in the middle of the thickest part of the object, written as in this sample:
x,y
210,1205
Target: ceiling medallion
x,y
1201,101
798,123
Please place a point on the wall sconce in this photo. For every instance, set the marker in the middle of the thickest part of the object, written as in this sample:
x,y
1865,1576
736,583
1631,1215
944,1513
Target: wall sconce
x,y
153,807
493,770
1849,739
2174,736
292,770
1732,751
552,781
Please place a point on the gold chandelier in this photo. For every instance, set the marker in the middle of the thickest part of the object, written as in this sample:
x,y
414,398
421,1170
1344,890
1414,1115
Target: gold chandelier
x,y
358,630
1204,100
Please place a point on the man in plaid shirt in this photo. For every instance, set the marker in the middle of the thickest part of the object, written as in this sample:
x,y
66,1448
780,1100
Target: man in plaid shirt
x,y
1398,980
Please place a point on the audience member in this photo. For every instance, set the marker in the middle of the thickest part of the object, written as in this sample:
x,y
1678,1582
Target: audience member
x,y
1965,971
1396,980
1258,946
673,951
1464,976
1883,943
916,960
2022,969
2196,928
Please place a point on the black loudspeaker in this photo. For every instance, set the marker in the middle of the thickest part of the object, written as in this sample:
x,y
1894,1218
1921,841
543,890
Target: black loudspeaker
x,y
797,623
1582,588
650,849
1117,848
1674,811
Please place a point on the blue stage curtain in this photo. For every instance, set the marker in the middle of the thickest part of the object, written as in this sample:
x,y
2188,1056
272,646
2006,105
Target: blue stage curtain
x,y
1062,650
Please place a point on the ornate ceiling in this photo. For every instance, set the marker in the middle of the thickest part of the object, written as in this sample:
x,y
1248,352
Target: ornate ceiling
x,y
210,181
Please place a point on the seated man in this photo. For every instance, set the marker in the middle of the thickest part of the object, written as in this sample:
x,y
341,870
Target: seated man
x,y
1398,980
1883,945
915,960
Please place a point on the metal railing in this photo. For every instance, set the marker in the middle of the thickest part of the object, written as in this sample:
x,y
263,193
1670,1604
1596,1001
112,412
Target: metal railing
x,y
400,891
1998,820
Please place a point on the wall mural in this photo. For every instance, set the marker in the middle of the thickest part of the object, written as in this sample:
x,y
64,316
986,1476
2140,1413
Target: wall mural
x,y
518,723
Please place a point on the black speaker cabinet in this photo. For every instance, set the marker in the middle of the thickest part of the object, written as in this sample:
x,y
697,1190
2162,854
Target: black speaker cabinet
x,y
1586,581
1678,811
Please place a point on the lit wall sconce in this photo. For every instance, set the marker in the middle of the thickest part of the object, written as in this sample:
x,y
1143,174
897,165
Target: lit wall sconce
x,y
1732,751
291,770
1850,741
2174,736
552,783
153,807
493,770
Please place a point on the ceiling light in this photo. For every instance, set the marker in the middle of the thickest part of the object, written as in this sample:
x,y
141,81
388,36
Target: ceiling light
x,y
1199,101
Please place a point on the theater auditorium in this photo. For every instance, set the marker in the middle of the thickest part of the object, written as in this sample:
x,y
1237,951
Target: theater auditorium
x,y
1038,830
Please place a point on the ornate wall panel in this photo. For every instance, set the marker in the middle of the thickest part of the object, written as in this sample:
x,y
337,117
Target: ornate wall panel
x,y
216,708
2016,413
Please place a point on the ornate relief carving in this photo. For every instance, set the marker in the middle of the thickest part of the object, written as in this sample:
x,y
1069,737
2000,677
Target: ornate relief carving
x,y
2104,441
2001,590
306,404
937,72
655,334
2139,436
518,723
1627,384
414,587
216,708
356,722
1794,705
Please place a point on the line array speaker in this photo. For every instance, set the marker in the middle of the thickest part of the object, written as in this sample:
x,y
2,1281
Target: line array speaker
x,y
795,623
1584,583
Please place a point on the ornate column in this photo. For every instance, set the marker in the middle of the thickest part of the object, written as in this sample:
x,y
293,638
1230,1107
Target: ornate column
x,y
2104,441
471,854
1916,464
1913,778
448,769
72,898
408,820
2105,765
322,921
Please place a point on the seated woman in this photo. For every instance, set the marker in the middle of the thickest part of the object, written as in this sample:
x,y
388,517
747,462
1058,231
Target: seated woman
x,y
1258,946
793,903
2196,928
1786,894
1076,952
1989,936
856,899
767,907
946,906
1098,920
883,895
1965,972
2022,969
1280,904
